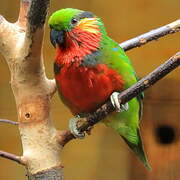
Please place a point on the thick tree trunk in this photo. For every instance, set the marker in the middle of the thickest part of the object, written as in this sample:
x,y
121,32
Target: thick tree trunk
x,y
21,45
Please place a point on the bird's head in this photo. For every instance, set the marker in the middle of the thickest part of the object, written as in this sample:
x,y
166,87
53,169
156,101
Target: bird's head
x,y
73,25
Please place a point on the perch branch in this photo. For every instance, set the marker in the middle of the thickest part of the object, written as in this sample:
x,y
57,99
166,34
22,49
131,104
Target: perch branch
x,y
151,35
128,94
12,157
8,121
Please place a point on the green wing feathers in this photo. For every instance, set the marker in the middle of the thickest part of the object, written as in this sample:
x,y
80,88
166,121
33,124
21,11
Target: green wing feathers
x,y
138,150
126,123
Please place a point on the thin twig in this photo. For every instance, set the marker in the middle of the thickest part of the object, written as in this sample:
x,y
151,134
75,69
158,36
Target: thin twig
x,y
8,121
12,157
151,35
128,94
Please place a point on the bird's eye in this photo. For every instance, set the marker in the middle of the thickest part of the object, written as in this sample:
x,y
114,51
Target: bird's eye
x,y
74,21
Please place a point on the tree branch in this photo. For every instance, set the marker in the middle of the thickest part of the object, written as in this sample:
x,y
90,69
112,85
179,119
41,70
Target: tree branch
x,y
151,35
8,121
127,95
37,14
22,19
12,157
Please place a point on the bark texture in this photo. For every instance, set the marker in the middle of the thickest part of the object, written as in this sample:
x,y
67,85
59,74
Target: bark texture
x,y
50,174
21,45
151,35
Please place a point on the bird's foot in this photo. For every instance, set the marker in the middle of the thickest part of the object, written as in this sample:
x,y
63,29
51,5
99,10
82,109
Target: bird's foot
x,y
115,102
73,127
88,131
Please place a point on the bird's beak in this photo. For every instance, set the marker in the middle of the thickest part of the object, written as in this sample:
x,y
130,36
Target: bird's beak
x,y
56,37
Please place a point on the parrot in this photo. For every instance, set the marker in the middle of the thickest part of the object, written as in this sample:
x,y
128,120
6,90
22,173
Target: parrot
x,y
91,68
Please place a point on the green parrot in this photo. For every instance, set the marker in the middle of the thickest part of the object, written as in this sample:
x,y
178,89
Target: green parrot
x,y
89,68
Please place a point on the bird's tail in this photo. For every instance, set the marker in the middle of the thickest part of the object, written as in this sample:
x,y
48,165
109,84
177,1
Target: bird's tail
x,y
139,150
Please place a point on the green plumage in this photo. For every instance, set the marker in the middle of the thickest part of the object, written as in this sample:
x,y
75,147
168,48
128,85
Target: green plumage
x,y
125,123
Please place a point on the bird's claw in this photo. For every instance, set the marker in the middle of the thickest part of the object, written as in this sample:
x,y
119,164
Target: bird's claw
x,y
88,131
115,102
73,128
